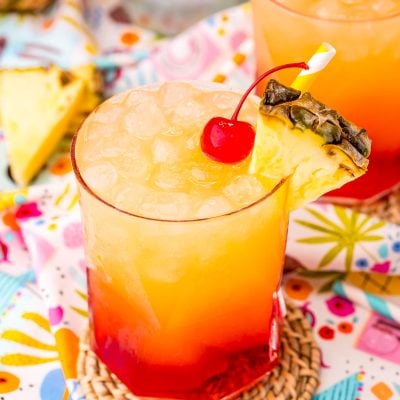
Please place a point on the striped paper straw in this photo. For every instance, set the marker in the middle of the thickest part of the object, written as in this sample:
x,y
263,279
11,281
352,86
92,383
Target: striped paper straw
x,y
317,62
367,300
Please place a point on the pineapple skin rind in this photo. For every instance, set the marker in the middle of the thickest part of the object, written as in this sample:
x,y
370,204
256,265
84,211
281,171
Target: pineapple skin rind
x,y
301,138
305,112
314,168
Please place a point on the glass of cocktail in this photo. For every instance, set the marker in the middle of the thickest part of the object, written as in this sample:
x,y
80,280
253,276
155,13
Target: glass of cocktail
x,y
184,254
361,81
185,216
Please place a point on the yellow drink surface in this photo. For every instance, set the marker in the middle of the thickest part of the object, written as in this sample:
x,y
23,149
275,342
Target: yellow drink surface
x,y
142,154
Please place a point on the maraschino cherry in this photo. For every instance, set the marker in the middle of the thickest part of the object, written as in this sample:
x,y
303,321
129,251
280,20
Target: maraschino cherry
x,y
229,140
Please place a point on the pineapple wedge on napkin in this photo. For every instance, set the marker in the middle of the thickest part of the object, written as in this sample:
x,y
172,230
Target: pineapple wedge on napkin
x,y
37,106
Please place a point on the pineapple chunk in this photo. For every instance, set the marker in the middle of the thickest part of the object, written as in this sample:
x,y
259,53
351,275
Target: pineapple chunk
x,y
23,6
92,95
298,136
36,106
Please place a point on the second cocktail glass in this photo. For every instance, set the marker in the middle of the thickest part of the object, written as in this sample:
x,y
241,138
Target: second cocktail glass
x,y
361,82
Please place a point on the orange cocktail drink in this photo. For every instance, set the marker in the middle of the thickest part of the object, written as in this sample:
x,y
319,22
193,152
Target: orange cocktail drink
x,y
184,254
361,82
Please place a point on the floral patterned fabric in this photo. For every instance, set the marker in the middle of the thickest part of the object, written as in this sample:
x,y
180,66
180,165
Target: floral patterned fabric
x,y
43,300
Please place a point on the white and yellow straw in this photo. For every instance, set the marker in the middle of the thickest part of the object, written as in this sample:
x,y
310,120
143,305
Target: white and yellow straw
x,y
317,62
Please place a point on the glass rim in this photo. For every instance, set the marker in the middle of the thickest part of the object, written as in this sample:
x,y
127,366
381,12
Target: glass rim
x,y
88,189
335,20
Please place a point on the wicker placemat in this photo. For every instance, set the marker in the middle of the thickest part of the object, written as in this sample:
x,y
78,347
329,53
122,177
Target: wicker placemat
x,y
295,378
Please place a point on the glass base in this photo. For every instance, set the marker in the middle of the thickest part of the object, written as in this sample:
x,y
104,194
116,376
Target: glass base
x,y
383,176
241,370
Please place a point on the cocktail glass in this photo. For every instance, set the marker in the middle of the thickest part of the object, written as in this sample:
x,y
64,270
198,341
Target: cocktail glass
x,y
182,307
361,82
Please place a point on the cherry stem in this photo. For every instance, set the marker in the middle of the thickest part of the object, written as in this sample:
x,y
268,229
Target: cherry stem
x,y
302,65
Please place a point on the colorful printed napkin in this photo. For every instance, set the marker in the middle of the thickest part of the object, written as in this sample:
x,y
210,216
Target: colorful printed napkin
x,y
43,300
59,36
36,345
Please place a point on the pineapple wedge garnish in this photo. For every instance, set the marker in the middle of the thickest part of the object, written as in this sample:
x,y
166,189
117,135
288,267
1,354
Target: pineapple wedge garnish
x,y
300,137
36,107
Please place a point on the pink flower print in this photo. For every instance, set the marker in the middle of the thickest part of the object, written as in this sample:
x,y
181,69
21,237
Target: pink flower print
x,y
55,315
40,248
237,39
309,314
339,306
379,342
73,236
28,210
4,252
381,268
82,265
326,332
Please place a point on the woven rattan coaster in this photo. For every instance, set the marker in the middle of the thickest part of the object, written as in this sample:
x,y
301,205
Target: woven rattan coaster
x,y
295,378
387,207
